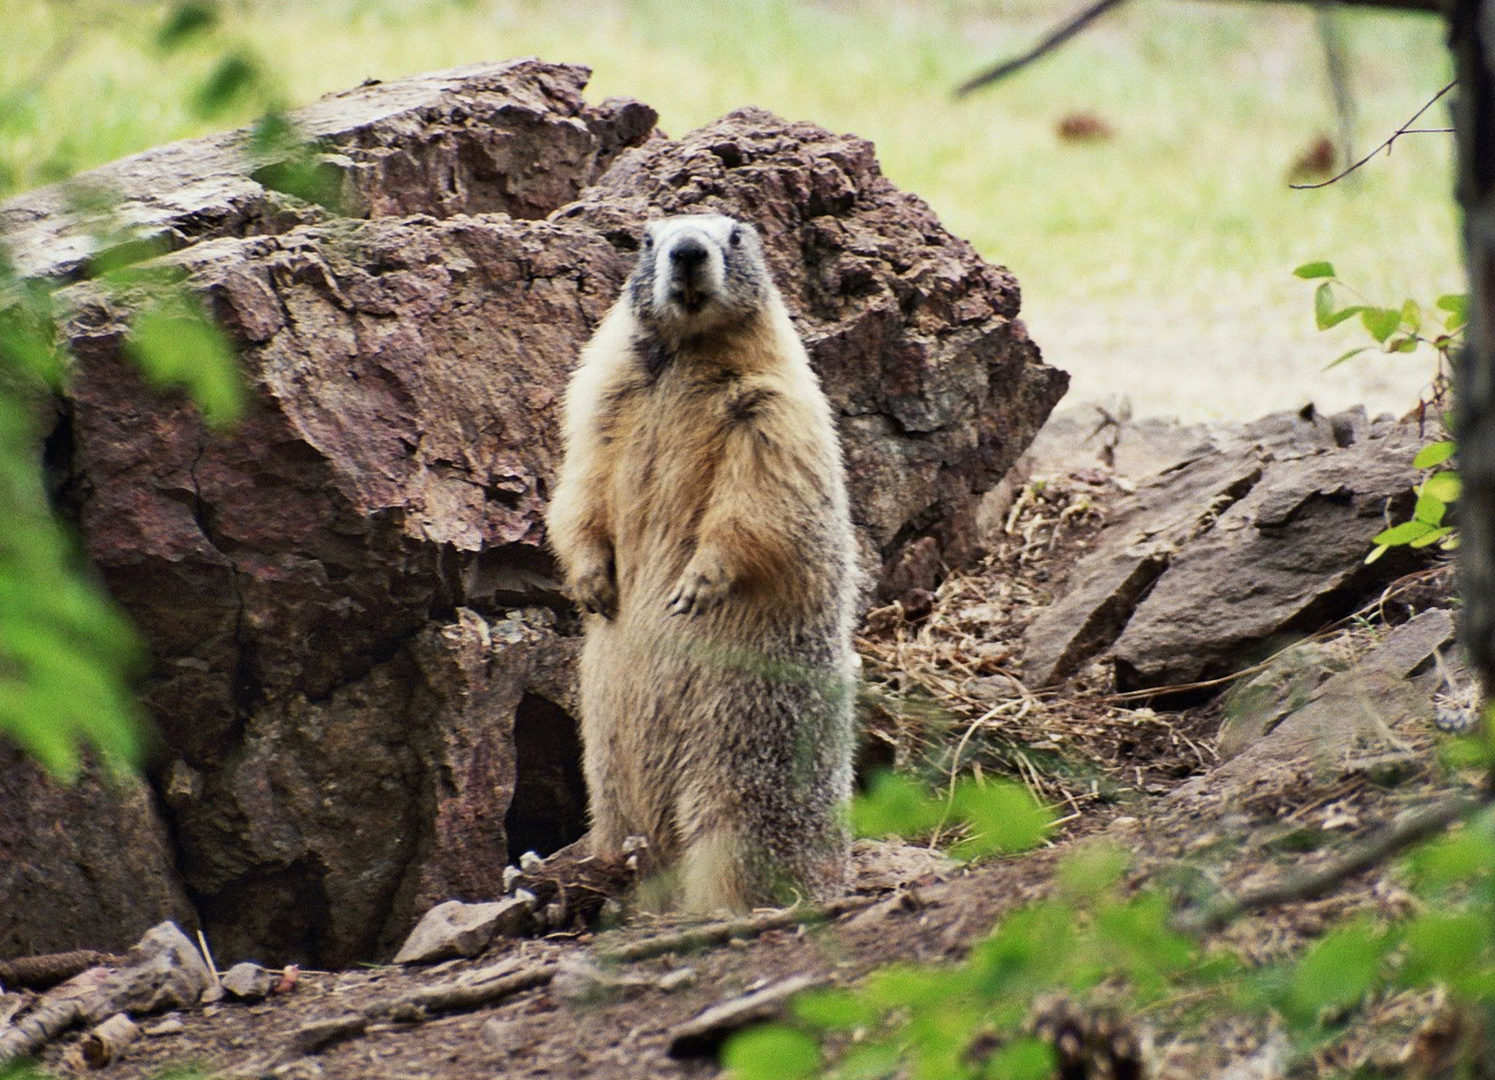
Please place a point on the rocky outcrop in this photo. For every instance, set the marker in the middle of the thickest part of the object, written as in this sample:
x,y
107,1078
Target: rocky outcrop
x,y
1257,537
85,865
363,678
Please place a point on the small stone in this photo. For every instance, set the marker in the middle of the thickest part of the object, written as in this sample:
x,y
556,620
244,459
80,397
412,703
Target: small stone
x,y
511,875
172,1025
249,982
458,929
163,971
917,604
671,981
494,1034
529,862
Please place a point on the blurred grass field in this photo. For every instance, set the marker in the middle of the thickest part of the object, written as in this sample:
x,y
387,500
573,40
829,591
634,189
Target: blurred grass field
x,y
1155,264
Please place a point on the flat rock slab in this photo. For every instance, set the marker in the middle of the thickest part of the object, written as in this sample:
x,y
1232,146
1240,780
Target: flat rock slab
x,y
1352,716
1215,561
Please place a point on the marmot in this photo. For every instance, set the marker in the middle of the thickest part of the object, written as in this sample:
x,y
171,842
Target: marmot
x,y
701,521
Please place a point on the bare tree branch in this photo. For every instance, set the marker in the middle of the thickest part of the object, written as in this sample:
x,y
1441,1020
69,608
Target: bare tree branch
x,y
1066,30
1056,38
1405,129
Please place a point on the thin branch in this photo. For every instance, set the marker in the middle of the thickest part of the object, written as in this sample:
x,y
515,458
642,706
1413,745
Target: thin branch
x,y
1058,37
1405,129
1310,886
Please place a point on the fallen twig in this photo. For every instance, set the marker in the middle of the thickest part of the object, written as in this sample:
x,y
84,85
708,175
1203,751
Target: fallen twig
x,y
49,969
703,1034
718,933
37,1028
1314,884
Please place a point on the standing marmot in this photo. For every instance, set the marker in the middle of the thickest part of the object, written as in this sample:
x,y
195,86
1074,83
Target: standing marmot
x,y
701,520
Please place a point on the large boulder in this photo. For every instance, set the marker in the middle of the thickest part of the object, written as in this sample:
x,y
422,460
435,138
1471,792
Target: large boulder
x,y
364,668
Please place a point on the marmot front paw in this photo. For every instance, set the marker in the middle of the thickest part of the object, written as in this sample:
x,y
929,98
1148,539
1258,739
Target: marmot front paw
x,y
596,592
701,587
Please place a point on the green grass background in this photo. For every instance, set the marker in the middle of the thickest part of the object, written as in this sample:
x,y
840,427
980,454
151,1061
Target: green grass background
x,y
1155,265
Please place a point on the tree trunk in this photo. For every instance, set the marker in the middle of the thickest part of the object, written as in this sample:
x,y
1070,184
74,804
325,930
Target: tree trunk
x,y
1474,119
1471,35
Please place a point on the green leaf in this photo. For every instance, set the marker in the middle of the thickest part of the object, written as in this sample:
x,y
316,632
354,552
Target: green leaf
x,y
833,1009
1375,553
1441,947
771,1052
1338,970
186,21
1429,509
1402,345
1404,533
1457,306
1003,818
1434,454
1323,305
1311,270
895,805
1345,356
1380,323
1432,537
1340,316
1411,316
1445,486
227,84
1026,1058
177,344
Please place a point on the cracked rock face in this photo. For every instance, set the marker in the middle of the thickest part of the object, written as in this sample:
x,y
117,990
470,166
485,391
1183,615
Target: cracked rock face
x,y
1213,563
364,670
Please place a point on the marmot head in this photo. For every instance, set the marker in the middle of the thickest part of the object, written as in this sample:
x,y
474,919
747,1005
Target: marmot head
x,y
698,273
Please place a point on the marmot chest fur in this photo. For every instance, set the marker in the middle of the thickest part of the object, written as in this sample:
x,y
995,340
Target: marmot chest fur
x,y
701,521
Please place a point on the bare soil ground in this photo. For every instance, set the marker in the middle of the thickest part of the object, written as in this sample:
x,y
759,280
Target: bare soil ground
x,y
943,700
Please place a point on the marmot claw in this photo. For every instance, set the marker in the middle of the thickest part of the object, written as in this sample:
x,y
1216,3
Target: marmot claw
x,y
597,593
697,592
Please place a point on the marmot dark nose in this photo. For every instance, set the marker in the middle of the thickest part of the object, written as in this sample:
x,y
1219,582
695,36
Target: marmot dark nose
x,y
687,254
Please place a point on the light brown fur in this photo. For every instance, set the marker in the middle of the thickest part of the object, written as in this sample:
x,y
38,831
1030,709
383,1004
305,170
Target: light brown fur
x,y
701,516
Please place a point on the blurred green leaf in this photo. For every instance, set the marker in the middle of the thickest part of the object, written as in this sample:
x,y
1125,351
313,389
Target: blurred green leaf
x,y
1003,817
1411,316
1431,537
1445,486
1380,323
833,1009
1442,947
1336,971
771,1052
185,22
1342,357
1404,533
1434,454
895,805
1026,1058
1429,509
177,345
1323,305
1311,270
1457,306
230,82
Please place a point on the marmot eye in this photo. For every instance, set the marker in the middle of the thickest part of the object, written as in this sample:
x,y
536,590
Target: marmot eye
x,y
736,238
